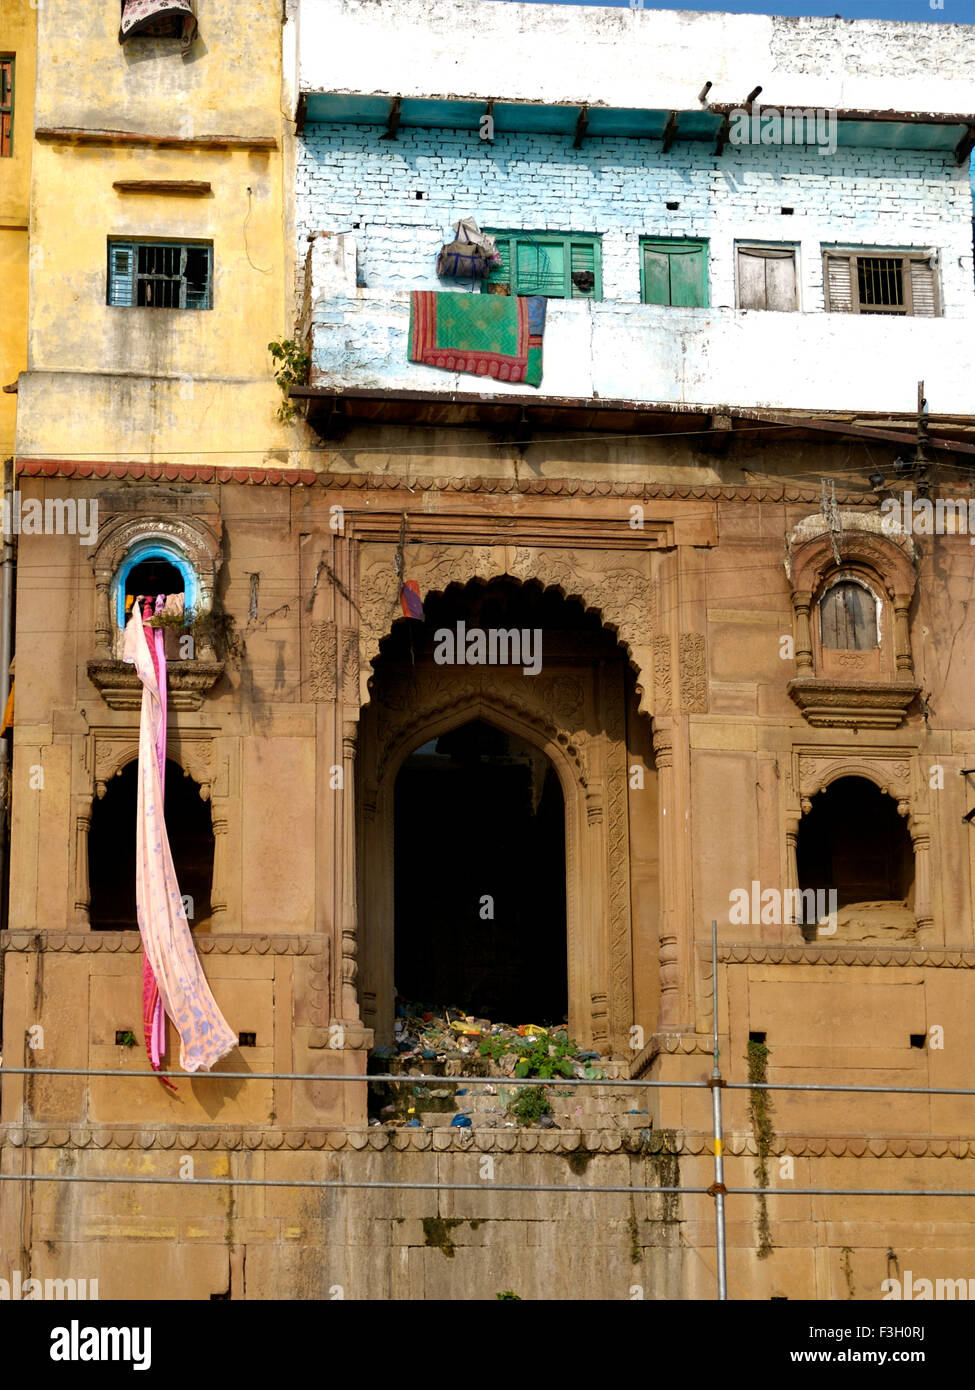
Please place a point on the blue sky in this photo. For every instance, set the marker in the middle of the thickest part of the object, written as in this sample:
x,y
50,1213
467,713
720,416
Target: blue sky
x,y
918,11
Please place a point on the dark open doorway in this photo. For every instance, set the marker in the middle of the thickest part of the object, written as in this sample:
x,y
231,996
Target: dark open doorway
x,y
853,841
480,877
111,848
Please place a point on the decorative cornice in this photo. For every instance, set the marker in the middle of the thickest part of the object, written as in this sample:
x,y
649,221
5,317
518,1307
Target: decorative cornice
x,y
120,686
130,942
374,482
815,954
446,1139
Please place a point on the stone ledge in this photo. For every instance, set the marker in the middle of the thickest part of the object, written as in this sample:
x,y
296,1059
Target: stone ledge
x,y
130,942
515,1140
961,958
828,703
120,687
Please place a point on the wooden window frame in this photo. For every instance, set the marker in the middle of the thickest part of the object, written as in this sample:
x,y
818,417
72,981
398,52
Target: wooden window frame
x,y
853,254
7,106
781,246
699,243
565,241
117,243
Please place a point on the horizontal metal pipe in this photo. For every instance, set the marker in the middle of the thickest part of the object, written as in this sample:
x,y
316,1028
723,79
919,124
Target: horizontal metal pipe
x,y
491,1080
488,1186
325,1076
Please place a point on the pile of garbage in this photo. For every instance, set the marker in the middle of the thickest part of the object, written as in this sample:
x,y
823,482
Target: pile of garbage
x,y
425,1033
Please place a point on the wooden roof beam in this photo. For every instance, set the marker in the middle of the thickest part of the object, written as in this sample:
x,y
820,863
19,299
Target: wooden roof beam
x,y
393,118
582,124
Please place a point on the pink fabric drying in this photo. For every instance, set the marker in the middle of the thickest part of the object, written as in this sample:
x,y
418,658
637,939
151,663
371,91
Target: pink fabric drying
x,y
205,1036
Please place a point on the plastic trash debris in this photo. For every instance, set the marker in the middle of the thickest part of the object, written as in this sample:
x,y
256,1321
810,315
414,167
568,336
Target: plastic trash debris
x,y
461,1122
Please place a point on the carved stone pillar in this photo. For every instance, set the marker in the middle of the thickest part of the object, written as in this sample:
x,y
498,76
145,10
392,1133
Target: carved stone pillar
x,y
218,893
663,750
792,871
350,946
82,888
103,614
902,637
919,829
801,603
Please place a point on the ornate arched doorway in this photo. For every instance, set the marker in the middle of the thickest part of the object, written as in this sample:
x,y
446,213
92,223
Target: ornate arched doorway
x,y
577,715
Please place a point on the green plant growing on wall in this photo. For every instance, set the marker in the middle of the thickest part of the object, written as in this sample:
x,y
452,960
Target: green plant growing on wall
x,y
760,1113
508,1295
544,1056
126,1038
293,366
530,1104
218,630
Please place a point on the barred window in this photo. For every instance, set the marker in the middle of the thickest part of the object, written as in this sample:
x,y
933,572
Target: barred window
x,y
160,275
878,282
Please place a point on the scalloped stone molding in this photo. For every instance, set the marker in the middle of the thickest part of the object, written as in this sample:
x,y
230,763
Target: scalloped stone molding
x,y
446,1140
295,944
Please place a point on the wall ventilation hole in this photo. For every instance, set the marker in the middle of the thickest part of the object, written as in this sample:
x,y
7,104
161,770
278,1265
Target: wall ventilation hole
x,y
756,1037
248,1040
918,1039
787,212
672,207
418,196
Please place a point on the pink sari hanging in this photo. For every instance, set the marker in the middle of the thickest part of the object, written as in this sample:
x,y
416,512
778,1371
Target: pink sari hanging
x,y
172,968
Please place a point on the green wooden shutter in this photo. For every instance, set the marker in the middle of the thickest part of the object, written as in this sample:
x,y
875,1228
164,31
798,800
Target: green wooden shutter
x,y
501,274
121,274
656,276
540,268
675,273
582,260
688,285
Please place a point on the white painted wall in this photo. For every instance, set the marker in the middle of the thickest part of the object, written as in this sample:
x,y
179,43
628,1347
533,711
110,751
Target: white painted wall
x,y
631,58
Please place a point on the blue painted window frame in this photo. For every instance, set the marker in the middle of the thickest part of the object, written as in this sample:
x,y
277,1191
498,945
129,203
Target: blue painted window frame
x,y
155,550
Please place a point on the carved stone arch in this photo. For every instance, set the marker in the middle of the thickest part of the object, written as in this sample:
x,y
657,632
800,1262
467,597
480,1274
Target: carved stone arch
x,y
616,587
439,716
436,719
192,537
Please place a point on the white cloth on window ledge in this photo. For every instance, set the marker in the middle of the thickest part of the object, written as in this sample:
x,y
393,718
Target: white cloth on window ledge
x,y
157,17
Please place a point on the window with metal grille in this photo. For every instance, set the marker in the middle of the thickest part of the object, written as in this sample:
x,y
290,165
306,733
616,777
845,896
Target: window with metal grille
x,y
6,107
878,282
160,275
848,618
674,271
559,265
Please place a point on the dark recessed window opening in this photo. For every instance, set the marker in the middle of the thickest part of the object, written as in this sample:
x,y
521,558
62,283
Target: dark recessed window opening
x,y
160,275
482,928
918,1039
756,1037
153,577
111,848
854,842
247,1040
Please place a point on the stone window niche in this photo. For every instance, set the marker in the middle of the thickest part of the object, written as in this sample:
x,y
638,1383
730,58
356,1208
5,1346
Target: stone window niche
x,y
852,589
853,841
111,848
152,558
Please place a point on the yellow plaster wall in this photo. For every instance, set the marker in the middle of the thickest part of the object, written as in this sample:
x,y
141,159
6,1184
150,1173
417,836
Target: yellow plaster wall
x,y
170,385
18,20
